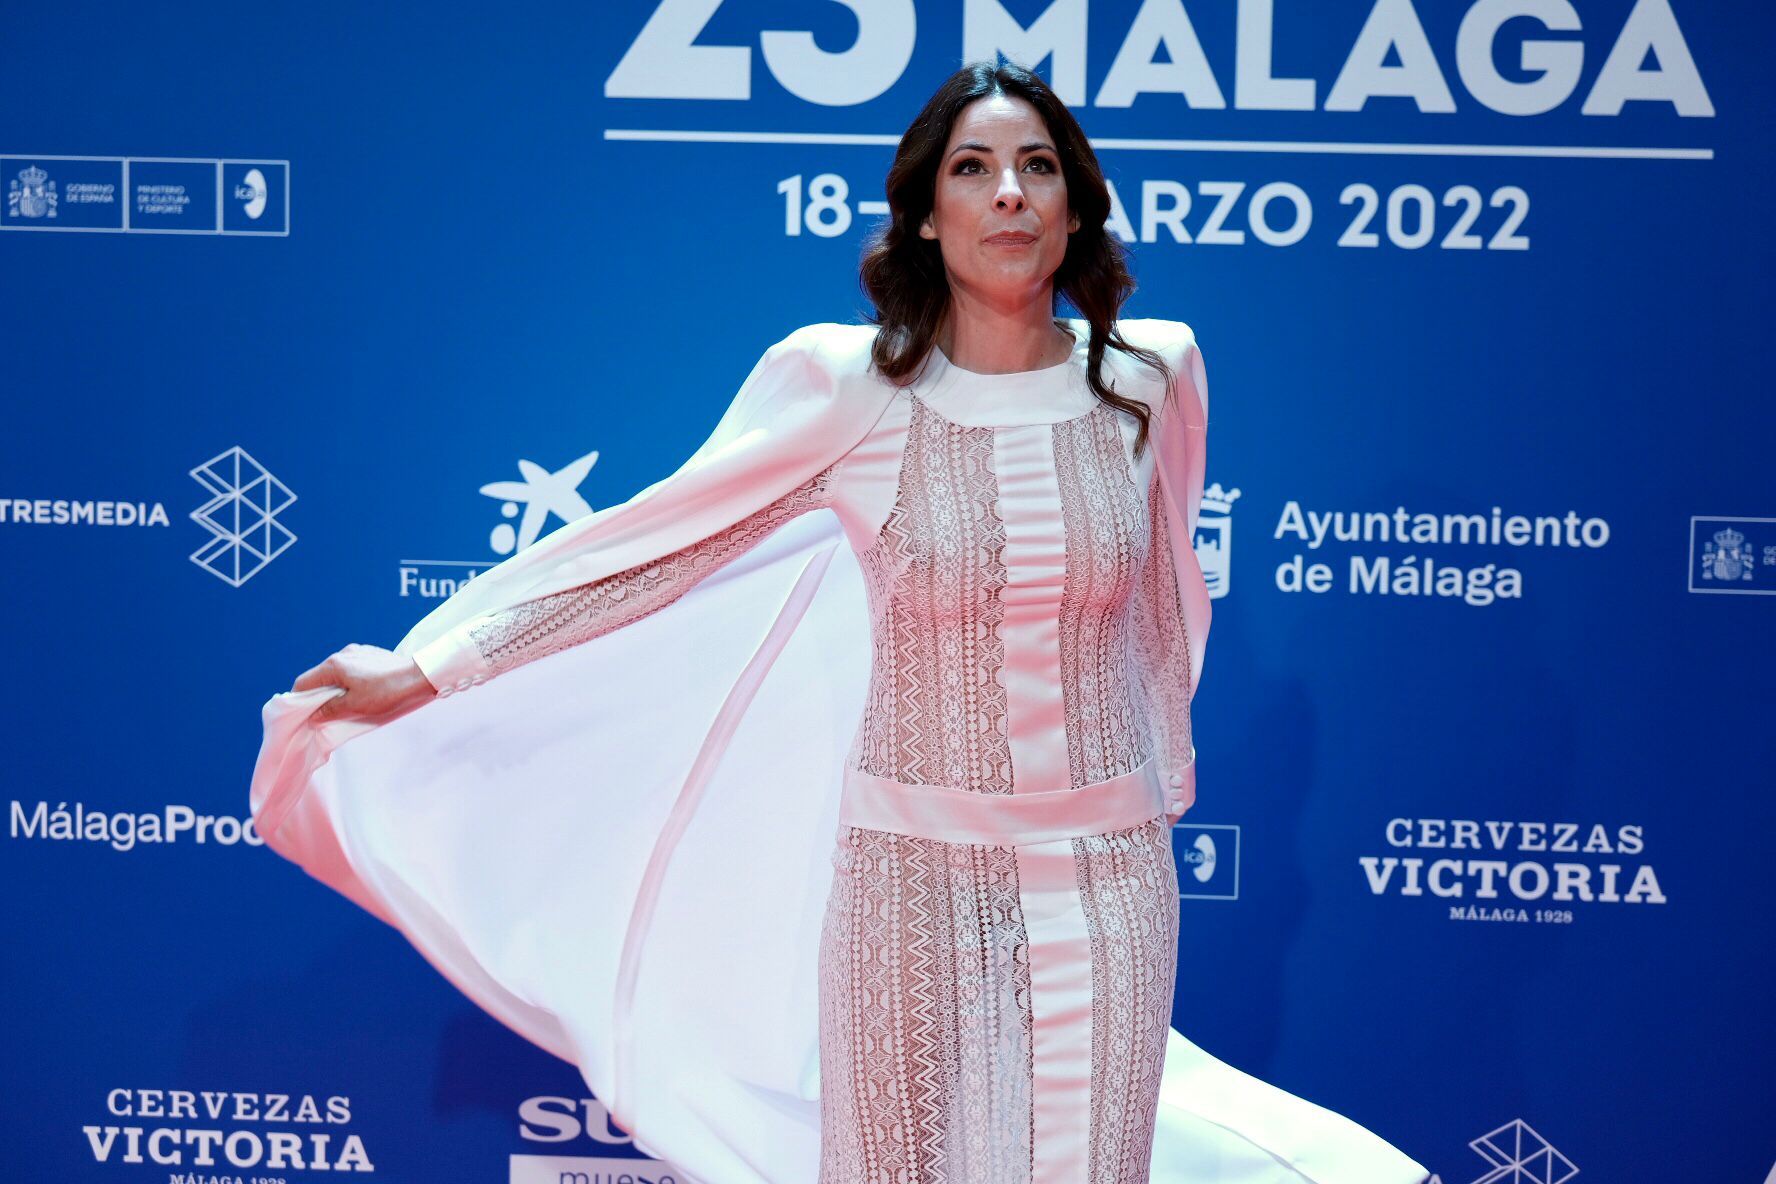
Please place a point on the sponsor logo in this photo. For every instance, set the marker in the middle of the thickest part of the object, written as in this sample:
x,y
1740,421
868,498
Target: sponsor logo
x,y
253,193
533,501
124,829
43,511
1516,1154
257,196
241,515
1380,573
1513,871
1207,856
541,494
1733,555
198,1132
32,194
564,1120
589,1169
1214,538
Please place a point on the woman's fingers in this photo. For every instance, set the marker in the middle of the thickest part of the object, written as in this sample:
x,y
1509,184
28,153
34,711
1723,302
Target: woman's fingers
x,y
324,675
332,708
368,681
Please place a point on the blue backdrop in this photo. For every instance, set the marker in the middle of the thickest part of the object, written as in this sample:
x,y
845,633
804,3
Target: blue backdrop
x,y
1486,724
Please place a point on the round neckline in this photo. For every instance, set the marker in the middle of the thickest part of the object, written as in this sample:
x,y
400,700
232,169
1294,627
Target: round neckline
x,y
1019,398
931,409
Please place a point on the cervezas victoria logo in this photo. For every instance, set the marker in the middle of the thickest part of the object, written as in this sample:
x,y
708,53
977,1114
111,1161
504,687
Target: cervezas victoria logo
x,y
1493,870
213,1136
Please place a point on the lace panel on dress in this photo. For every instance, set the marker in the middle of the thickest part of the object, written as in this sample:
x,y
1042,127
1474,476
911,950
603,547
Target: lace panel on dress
x,y
1105,520
1161,643
543,626
1128,887
926,1033
935,713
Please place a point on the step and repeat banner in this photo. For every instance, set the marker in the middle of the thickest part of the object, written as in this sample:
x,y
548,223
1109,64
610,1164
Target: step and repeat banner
x,y
311,314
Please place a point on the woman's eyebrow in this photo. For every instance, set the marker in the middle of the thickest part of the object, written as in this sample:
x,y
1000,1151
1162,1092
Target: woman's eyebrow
x,y
976,146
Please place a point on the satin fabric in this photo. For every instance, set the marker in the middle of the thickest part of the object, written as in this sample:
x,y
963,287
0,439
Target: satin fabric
x,y
1061,1012
650,911
1000,820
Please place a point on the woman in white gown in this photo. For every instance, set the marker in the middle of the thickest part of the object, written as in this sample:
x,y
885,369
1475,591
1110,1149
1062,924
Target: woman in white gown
x,y
928,587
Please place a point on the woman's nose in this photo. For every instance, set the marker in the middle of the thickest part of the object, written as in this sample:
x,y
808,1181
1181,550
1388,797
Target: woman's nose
x,y
1011,195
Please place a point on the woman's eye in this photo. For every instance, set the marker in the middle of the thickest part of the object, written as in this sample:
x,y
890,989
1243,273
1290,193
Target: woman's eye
x,y
972,165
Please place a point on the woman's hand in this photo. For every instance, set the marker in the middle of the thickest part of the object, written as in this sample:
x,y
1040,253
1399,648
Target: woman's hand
x,y
376,682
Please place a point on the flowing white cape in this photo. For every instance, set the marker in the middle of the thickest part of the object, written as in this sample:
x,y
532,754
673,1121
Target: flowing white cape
x,y
621,851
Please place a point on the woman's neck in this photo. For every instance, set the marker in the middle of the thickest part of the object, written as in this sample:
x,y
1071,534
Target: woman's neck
x,y
989,339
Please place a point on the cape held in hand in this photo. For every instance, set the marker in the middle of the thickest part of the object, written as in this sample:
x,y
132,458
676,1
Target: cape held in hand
x,y
622,850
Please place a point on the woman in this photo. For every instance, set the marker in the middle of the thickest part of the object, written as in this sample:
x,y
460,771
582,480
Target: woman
x,y
974,985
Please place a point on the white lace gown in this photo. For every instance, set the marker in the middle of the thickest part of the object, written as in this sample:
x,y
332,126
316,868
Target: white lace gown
x,y
998,948
990,1012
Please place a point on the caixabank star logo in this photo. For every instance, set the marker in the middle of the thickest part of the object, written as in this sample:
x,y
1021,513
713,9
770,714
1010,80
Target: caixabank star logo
x,y
541,495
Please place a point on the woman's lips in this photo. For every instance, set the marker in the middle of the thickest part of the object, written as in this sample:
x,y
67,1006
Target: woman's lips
x,y
1011,238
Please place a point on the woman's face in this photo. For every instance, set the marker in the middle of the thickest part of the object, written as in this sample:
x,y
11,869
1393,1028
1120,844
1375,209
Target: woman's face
x,y
999,211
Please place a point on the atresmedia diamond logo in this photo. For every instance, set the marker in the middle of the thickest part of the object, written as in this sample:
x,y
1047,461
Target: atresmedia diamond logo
x,y
242,515
1519,1155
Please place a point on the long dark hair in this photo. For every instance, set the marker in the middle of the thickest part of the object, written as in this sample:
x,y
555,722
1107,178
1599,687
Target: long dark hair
x,y
903,274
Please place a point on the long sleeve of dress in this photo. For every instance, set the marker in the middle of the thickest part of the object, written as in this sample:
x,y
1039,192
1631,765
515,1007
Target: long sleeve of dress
x,y
804,405
1162,644
1162,648
496,642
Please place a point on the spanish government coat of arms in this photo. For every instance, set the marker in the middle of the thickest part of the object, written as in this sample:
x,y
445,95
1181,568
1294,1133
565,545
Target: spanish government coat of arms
x,y
32,194
1727,557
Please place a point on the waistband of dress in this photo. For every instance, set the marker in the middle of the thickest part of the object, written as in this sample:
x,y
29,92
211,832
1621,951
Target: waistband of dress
x,y
1001,819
